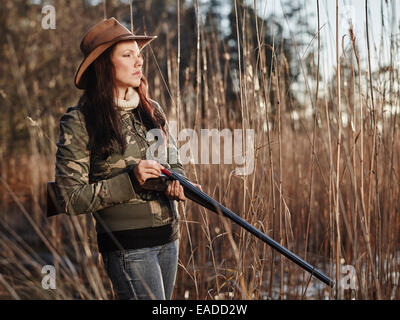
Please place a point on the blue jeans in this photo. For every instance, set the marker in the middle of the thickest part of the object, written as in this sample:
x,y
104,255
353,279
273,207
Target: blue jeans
x,y
143,274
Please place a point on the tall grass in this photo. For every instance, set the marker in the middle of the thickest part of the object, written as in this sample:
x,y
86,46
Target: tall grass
x,y
325,186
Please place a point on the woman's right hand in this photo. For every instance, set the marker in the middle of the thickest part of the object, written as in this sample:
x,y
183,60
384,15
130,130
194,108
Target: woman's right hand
x,y
147,169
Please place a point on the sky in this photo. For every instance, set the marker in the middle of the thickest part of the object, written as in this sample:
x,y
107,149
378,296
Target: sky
x,y
349,12
383,20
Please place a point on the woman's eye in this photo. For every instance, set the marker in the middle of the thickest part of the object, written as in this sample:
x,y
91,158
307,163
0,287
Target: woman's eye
x,y
128,55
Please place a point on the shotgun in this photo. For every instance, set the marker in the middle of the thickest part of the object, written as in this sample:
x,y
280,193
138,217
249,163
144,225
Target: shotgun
x,y
201,198
206,201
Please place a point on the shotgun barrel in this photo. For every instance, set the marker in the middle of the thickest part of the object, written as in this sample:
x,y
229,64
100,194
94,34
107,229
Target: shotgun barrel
x,y
206,201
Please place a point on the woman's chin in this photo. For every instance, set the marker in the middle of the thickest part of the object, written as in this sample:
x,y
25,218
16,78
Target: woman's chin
x,y
131,83
135,84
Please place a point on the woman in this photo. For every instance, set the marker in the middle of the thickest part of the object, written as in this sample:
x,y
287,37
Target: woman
x,y
102,168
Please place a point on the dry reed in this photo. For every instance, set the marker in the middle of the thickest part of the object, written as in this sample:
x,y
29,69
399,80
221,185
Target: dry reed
x,y
326,188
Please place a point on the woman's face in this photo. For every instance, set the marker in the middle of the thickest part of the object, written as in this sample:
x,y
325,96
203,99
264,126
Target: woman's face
x,y
128,63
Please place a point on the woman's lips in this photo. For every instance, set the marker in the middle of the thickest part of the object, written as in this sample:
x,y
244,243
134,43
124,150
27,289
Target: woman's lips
x,y
138,73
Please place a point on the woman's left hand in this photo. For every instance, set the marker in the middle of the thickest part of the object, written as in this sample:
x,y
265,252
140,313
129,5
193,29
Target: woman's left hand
x,y
175,190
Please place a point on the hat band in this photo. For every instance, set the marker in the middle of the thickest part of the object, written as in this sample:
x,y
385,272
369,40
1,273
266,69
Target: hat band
x,y
91,48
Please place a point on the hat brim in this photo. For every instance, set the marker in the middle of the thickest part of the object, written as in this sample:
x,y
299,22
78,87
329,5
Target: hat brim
x,y
80,79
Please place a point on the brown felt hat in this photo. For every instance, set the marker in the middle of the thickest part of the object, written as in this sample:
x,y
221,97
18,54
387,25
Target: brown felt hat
x,y
99,38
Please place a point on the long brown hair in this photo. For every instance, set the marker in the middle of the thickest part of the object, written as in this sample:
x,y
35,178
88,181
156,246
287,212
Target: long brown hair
x,y
102,117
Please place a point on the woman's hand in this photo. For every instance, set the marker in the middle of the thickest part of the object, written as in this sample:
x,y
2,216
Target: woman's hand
x,y
175,190
147,169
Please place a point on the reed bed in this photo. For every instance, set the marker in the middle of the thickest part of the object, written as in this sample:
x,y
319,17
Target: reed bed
x,y
325,186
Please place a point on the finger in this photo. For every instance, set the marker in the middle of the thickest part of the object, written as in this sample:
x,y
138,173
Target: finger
x,y
151,164
160,166
178,192
145,177
168,191
172,189
156,165
182,194
177,189
152,172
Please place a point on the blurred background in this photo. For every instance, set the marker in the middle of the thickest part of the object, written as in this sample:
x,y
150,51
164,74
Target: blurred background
x,y
317,81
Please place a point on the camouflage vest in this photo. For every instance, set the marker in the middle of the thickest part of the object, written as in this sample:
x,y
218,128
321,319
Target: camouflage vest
x,y
88,184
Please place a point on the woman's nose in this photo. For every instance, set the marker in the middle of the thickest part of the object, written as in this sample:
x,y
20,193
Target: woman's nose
x,y
138,61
